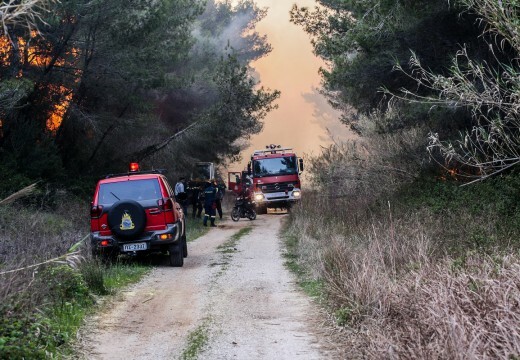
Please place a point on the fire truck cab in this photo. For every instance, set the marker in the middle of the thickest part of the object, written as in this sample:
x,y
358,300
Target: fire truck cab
x,y
273,176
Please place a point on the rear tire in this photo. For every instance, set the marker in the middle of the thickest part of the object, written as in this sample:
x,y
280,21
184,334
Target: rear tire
x,y
176,255
251,214
184,246
235,214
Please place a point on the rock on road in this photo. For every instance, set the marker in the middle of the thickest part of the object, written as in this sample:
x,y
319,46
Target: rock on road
x,y
237,295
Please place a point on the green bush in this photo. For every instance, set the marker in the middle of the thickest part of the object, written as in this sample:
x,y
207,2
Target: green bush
x,y
23,337
94,275
65,284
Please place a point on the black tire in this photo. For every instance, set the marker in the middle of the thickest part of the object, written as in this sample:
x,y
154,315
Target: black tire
x,y
184,246
251,214
235,214
130,213
261,210
176,256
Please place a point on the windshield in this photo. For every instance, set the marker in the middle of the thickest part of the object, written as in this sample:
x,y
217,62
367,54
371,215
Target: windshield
x,y
275,166
137,190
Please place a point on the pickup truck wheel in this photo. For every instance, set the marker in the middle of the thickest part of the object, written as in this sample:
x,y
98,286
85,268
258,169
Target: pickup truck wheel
x,y
184,246
176,255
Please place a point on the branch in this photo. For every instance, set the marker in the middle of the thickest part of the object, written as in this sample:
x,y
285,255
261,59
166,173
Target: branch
x,y
25,13
152,149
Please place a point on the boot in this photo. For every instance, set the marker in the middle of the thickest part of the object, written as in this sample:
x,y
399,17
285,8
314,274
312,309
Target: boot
x,y
213,223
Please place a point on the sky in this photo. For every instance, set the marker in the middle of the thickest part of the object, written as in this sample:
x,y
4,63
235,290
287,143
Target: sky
x,y
303,116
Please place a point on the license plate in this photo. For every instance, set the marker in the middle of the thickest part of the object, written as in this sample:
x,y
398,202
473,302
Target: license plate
x,y
134,247
275,195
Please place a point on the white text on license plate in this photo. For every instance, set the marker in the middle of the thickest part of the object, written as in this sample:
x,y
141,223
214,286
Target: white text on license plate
x,y
134,247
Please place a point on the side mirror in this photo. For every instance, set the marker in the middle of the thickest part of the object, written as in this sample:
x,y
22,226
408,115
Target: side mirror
x,y
249,168
301,164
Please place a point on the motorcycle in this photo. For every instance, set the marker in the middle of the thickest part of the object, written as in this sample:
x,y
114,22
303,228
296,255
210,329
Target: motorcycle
x,y
243,209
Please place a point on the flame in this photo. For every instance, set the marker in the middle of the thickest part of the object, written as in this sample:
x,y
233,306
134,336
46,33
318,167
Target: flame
x,y
32,55
5,47
58,112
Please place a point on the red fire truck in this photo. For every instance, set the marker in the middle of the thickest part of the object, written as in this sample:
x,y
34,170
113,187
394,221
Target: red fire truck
x,y
273,178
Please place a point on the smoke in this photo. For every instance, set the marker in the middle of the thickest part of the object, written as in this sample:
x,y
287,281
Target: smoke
x,y
225,29
221,30
327,117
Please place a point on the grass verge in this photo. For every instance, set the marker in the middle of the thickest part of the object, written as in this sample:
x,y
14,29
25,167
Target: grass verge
x,y
311,286
230,244
195,229
197,340
66,296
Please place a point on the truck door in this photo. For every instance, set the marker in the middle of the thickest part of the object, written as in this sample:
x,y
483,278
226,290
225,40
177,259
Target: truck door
x,y
235,182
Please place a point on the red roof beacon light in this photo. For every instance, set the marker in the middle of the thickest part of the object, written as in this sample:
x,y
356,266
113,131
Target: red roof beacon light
x,y
134,167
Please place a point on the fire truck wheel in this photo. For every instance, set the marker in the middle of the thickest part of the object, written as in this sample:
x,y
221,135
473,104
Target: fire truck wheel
x,y
261,210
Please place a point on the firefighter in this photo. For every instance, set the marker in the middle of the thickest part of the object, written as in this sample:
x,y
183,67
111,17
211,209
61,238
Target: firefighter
x,y
196,199
219,197
210,197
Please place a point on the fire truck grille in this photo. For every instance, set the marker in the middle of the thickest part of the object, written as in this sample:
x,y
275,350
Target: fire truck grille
x,y
277,187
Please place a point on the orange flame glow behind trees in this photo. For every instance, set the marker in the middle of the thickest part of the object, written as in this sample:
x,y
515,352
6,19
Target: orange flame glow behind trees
x,y
33,56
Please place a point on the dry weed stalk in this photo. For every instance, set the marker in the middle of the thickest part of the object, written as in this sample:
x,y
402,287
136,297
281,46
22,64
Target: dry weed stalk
x,y
441,313
25,13
399,303
490,91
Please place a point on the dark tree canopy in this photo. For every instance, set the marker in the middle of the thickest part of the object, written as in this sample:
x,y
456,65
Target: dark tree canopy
x,y
104,82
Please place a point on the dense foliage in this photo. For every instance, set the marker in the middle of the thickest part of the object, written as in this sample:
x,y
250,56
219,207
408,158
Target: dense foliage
x,y
440,67
105,82
411,263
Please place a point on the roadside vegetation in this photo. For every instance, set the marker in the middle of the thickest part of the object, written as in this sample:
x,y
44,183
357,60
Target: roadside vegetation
x,y
43,306
411,263
197,339
85,88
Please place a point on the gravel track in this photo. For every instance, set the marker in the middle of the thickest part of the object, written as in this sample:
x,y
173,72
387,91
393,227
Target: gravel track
x,y
243,297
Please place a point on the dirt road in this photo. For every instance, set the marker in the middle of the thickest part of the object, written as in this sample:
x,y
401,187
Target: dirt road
x,y
233,299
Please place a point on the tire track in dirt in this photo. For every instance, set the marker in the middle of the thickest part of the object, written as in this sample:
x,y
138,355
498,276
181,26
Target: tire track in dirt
x,y
152,319
243,295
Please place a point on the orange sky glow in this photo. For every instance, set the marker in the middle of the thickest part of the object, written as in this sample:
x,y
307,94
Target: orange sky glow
x,y
303,116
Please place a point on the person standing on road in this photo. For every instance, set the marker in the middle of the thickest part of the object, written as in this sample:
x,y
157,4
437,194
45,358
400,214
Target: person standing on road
x,y
196,201
218,200
210,197
180,194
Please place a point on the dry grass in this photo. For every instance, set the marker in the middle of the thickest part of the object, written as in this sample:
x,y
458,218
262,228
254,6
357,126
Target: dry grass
x,y
395,292
30,236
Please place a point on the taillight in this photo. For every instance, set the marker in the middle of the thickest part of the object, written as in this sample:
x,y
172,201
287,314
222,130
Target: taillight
x,y
165,204
95,211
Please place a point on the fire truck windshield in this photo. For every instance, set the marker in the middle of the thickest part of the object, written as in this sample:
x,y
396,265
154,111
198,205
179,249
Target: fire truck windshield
x,y
275,166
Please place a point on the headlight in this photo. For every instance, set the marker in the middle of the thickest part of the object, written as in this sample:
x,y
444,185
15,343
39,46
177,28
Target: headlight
x,y
296,193
259,197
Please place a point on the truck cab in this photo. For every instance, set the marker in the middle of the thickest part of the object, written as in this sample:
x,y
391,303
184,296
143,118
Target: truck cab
x,y
275,178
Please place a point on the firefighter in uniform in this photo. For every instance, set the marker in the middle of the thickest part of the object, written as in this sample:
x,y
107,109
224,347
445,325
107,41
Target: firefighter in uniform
x,y
210,197
220,197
